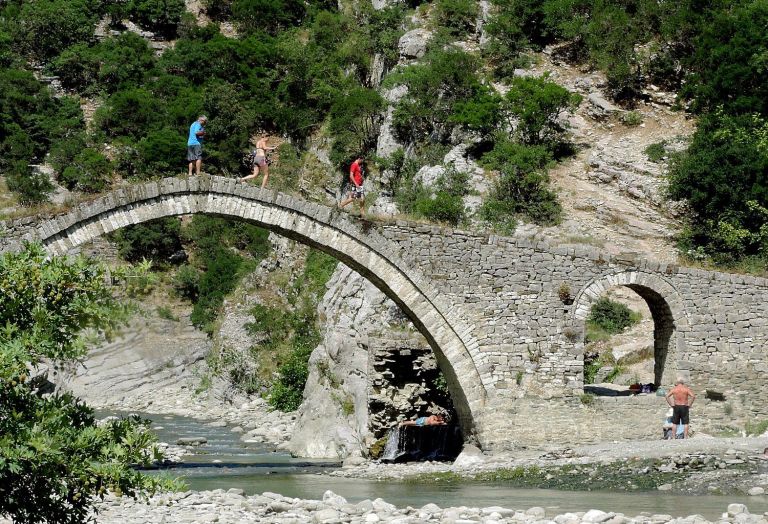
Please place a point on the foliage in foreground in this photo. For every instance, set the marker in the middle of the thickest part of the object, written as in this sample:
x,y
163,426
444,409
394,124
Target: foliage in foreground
x,y
54,459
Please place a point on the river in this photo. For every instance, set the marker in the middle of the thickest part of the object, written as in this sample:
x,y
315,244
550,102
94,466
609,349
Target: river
x,y
226,462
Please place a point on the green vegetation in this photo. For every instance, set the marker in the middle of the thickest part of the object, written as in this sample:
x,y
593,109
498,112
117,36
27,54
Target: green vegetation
x,y
756,429
628,475
288,334
54,459
223,251
611,317
655,152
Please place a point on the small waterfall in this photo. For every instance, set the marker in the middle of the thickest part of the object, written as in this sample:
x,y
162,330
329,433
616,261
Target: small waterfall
x,y
409,443
393,444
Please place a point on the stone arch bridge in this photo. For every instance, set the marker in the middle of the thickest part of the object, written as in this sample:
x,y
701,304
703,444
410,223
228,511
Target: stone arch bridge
x,y
505,316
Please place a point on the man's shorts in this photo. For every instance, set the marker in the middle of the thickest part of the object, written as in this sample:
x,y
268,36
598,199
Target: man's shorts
x,y
680,415
194,153
357,193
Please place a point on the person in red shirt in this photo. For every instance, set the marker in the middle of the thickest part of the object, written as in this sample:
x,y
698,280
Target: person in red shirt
x,y
356,179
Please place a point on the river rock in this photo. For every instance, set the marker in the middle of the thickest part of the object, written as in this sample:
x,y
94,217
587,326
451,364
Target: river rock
x,y
332,499
757,490
469,456
191,441
737,509
536,511
595,515
326,515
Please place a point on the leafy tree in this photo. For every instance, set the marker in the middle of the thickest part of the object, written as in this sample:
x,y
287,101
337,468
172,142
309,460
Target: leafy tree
x,y
46,27
130,113
269,16
162,16
458,16
522,186
155,240
534,105
730,61
724,178
54,459
90,171
434,88
355,124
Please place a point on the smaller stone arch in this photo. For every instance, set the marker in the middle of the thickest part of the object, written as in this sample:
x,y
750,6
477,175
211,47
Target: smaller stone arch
x,y
670,319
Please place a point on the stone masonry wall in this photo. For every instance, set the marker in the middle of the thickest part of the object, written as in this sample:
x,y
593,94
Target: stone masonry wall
x,y
505,316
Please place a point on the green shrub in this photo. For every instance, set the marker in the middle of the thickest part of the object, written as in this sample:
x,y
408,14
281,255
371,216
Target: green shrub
x,y
161,16
655,152
64,151
220,278
90,171
435,86
458,16
756,429
31,187
611,316
536,103
166,313
218,250
46,27
155,240
722,178
632,118
161,153
130,113
521,188
30,119
286,394
250,15
186,282
443,207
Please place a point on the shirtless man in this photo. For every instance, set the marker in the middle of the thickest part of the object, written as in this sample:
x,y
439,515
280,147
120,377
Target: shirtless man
x,y
260,162
682,399
432,420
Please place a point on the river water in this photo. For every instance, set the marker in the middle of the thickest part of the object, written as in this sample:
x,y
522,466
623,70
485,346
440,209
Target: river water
x,y
226,462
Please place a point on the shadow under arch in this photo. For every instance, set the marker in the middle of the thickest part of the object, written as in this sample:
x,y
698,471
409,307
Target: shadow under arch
x,y
670,320
357,244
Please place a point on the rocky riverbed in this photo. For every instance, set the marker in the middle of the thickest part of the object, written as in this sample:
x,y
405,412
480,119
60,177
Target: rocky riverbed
x,y
233,506
694,466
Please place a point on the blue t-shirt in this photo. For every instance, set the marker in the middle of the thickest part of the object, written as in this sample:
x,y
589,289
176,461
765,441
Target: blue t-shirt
x,y
193,138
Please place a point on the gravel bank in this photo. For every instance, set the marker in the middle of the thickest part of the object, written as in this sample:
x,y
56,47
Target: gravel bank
x,y
233,507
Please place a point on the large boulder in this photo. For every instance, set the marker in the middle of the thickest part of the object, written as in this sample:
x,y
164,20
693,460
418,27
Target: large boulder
x,y
332,421
413,44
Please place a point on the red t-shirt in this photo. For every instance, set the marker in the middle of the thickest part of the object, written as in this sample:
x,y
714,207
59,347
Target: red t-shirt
x,y
356,173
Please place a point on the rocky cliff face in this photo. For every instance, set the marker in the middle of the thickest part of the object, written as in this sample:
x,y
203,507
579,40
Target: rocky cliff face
x,y
371,370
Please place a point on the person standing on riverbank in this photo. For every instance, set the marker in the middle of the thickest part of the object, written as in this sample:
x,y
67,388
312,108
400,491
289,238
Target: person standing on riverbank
x,y
195,144
680,398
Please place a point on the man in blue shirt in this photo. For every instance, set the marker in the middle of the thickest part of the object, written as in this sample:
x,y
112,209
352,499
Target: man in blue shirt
x,y
195,144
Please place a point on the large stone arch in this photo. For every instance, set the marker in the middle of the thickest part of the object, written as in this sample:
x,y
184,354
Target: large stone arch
x,y
352,242
670,319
